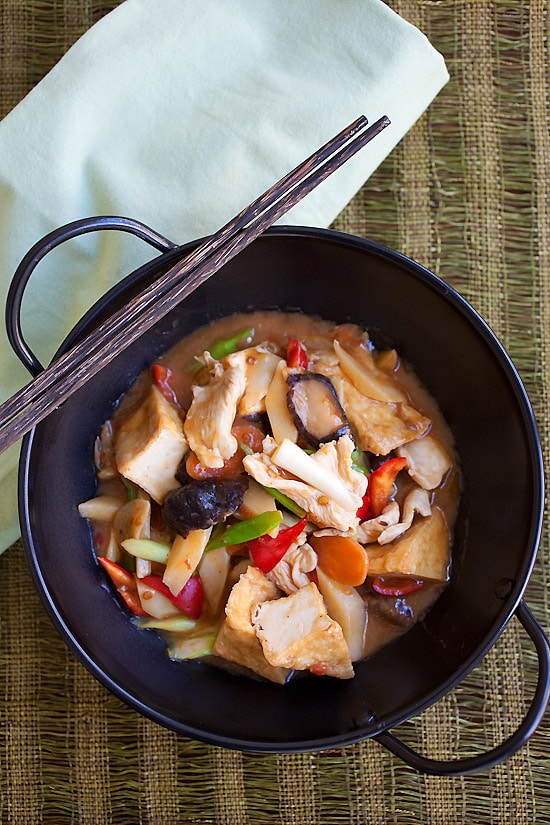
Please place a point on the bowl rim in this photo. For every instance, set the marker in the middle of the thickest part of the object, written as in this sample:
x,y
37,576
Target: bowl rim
x,y
509,603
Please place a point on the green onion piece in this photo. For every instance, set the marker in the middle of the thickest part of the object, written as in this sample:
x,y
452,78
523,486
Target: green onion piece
x,y
287,502
130,489
217,531
194,366
243,531
192,647
245,448
220,349
129,563
359,462
147,549
175,623
229,345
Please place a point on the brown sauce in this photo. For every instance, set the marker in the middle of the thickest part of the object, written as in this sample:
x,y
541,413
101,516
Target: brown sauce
x,y
388,616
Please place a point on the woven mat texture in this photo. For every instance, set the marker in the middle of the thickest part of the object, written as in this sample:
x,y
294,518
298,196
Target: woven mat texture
x,y
467,193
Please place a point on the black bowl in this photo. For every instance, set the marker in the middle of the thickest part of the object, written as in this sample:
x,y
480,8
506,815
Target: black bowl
x,y
341,278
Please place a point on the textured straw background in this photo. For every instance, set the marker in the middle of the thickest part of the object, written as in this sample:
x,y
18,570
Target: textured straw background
x,y
467,193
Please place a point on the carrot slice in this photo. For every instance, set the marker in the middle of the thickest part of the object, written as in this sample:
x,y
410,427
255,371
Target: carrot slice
x,y
342,558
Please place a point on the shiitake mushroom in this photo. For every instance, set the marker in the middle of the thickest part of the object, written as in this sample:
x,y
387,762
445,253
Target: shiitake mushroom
x,y
397,611
198,505
315,409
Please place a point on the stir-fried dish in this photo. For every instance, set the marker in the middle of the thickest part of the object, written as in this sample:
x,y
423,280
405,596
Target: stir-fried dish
x,y
275,494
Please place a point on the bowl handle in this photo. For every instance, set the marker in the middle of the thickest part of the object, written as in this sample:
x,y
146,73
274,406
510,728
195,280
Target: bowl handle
x,y
485,761
41,249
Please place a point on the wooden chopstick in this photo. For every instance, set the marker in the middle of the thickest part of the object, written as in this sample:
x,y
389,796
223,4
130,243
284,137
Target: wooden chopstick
x,y
69,361
64,376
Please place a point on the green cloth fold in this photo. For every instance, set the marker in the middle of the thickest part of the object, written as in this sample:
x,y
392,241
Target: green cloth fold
x,y
178,114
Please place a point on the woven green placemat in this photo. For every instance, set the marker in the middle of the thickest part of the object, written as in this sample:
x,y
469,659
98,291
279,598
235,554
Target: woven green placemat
x,y
467,194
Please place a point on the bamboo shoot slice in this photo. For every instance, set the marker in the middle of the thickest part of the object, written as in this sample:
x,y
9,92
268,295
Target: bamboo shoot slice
x,y
277,410
345,605
214,571
183,558
372,384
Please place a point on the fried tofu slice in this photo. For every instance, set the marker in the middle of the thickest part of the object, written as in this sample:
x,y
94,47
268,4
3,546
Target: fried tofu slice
x,y
150,444
252,588
424,551
247,652
297,632
237,640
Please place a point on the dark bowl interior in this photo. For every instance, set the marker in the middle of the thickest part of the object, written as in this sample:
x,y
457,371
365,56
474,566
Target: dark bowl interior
x,y
338,277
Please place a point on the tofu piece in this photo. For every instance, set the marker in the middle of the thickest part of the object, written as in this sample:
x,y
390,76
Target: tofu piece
x,y
252,589
297,632
150,445
247,651
237,640
424,551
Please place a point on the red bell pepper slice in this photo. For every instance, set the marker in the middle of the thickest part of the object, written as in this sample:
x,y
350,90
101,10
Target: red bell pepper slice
x,y
397,585
364,513
296,355
190,598
125,583
161,377
381,482
267,551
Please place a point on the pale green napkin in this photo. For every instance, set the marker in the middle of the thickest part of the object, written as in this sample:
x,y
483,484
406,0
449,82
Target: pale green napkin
x,y
179,113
